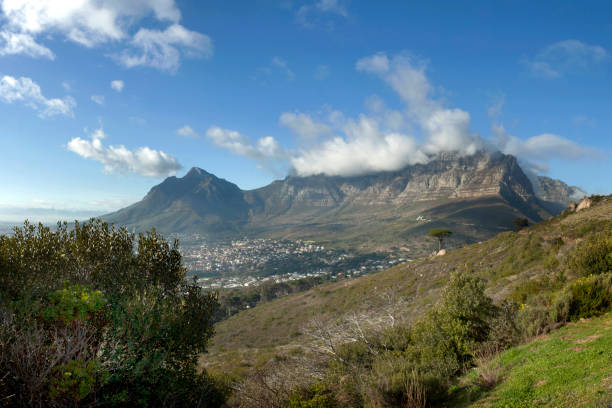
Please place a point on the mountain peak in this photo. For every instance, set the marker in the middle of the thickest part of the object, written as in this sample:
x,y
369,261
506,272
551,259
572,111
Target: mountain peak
x,y
196,172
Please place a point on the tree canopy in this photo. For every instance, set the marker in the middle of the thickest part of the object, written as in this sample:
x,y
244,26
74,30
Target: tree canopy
x,y
94,315
440,234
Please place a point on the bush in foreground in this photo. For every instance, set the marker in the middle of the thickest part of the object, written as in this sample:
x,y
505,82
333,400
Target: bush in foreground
x,y
92,315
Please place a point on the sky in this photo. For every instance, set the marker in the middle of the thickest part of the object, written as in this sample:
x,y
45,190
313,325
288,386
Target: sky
x,y
102,99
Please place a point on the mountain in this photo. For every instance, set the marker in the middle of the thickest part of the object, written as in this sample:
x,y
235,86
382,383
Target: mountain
x,y
476,196
556,194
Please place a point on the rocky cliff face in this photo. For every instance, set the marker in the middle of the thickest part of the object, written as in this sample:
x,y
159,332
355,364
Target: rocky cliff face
x,y
556,191
476,195
449,176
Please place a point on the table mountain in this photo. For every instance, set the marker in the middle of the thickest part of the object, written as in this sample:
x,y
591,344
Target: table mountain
x,y
476,196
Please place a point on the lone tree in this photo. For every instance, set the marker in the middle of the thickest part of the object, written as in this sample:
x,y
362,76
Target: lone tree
x,y
440,234
519,223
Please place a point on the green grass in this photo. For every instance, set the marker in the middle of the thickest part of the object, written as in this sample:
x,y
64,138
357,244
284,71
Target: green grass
x,y
570,367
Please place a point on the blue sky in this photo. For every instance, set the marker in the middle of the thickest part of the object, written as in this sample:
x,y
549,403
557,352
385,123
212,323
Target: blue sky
x,y
100,100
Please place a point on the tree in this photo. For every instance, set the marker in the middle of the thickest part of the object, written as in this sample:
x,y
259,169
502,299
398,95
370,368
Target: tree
x,y
519,223
90,315
440,234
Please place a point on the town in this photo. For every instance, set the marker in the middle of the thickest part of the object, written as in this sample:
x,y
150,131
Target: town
x,y
251,262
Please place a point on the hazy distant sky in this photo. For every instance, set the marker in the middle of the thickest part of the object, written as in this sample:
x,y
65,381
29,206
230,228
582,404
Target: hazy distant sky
x,y
101,99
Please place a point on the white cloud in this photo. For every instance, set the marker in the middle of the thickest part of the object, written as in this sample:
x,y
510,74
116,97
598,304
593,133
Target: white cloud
x,y
305,126
564,57
443,129
27,92
117,85
365,149
388,139
314,14
265,150
99,99
118,159
187,131
542,147
377,63
163,49
91,23
19,43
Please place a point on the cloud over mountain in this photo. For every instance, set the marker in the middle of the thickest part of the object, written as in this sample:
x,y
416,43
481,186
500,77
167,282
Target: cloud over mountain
x,y
119,159
386,139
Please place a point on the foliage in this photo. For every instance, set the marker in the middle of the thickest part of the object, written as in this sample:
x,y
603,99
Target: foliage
x,y
594,255
519,223
92,315
586,297
440,234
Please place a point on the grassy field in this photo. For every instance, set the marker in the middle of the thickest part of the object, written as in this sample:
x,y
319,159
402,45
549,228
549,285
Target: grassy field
x,y
515,265
569,367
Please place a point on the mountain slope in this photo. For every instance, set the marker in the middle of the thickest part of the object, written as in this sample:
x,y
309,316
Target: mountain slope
x,y
529,375
476,196
515,265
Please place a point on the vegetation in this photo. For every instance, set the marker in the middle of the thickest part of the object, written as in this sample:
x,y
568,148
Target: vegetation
x,y
568,368
412,335
519,223
440,234
90,316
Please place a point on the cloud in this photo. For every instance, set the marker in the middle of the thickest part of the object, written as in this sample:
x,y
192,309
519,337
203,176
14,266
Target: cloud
x,y
163,49
27,92
99,99
118,159
19,43
443,129
541,147
187,131
318,12
117,85
365,149
91,23
265,150
565,57
388,139
305,126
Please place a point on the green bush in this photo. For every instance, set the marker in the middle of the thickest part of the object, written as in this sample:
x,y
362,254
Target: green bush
x,y
587,297
593,256
96,316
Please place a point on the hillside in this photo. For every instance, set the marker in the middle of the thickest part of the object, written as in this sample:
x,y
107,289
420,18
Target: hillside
x,y
514,265
476,196
570,367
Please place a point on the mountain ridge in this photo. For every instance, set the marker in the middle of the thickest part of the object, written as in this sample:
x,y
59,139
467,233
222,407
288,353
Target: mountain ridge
x,y
486,190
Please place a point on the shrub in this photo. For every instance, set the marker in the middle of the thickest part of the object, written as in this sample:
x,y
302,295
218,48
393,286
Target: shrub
x,y
88,320
593,256
586,297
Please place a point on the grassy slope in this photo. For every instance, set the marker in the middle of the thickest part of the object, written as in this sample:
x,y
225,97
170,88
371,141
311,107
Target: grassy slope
x,y
570,367
370,228
507,262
